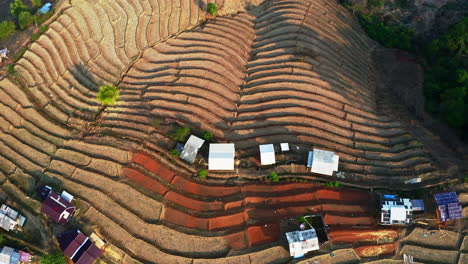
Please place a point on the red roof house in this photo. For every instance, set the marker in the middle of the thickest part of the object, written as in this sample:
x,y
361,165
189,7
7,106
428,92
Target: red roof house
x,y
57,208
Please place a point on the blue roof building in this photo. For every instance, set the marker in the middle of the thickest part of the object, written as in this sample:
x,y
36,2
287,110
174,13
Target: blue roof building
x,y
448,206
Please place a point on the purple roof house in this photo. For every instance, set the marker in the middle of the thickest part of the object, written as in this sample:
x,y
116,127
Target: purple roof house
x,y
58,209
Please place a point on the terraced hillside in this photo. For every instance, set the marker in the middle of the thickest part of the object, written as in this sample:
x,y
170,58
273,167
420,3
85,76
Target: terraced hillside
x,y
299,71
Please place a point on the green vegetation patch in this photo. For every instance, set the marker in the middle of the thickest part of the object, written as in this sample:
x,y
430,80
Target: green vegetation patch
x,y
390,36
180,134
208,136
53,258
212,9
446,77
174,152
7,28
17,7
202,174
108,94
273,177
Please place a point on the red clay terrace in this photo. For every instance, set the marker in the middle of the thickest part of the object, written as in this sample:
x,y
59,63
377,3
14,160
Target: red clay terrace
x,y
58,208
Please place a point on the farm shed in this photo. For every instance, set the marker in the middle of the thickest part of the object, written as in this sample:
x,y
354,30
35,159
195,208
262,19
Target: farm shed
x,y
191,148
10,219
395,210
322,161
301,242
221,156
267,154
448,206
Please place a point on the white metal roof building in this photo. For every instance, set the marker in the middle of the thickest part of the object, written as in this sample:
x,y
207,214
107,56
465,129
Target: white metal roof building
x,y
395,210
191,148
323,161
221,156
267,154
284,146
5,255
301,242
10,219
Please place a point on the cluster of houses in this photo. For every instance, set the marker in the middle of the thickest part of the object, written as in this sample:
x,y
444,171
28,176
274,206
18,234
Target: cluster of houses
x,y
10,255
79,248
221,156
10,219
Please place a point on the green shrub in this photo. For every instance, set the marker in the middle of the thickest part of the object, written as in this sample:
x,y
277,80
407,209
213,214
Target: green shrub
x,y
202,174
212,9
7,28
334,184
208,136
180,134
446,77
174,152
273,177
17,7
108,94
36,3
390,36
42,30
20,53
25,19
376,3
41,18
53,258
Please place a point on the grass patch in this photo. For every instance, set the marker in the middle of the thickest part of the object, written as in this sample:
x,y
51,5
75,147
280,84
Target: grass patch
x,y
108,94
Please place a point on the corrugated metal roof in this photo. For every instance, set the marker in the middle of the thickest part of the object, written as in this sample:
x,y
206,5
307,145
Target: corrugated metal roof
x,y
301,242
221,156
324,162
191,148
267,154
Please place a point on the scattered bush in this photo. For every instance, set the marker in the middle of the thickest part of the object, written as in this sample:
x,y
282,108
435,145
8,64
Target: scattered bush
x,y
41,18
273,177
174,152
17,7
376,3
36,3
19,54
42,30
180,134
202,174
25,19
446,77
108,94
53,258
212,9
390,36
6,29
208,136
334,184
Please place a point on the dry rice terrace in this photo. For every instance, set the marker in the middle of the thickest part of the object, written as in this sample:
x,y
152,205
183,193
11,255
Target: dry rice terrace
x,y
300,71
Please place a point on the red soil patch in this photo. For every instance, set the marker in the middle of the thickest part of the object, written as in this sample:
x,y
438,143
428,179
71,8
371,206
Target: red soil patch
x,y
351,236
259,204
143,180
375,250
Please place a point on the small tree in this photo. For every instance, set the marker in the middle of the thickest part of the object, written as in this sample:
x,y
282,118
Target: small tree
x,y
55,257
108,94
274,177
6,29
17,7
212,9
208,136
25,19
202,174
174,152
180,133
